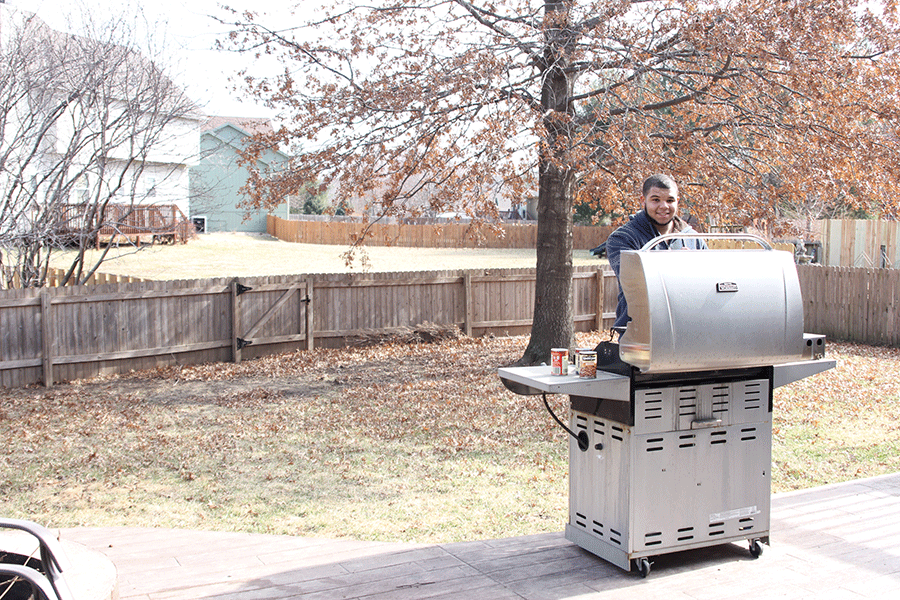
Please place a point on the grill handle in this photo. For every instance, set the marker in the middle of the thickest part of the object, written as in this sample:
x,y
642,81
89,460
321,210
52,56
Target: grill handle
x,y
747,237
706,423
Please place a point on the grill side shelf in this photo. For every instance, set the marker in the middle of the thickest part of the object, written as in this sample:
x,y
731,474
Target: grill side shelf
x,y
795,371
529,379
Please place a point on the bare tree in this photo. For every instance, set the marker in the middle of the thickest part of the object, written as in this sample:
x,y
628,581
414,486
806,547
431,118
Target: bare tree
x,y
583,99
83,119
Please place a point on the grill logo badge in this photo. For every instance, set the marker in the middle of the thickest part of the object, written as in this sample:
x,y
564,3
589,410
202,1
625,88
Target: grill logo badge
x,y
726,286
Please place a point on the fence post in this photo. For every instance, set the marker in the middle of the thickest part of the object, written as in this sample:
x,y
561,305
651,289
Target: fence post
x,y
599,301
235,322
470,310
310,338
46,339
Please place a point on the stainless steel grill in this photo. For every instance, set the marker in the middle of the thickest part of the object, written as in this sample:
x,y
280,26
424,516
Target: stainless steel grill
x,y
677,454
694,310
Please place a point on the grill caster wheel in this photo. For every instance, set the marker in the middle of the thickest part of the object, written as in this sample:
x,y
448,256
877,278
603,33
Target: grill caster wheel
x,y
756,548
643,566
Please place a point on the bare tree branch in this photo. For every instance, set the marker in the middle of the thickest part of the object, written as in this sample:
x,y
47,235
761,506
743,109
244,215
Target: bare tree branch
x,y
82,118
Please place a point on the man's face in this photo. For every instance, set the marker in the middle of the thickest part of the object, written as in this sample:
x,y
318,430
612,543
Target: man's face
x,y
661,205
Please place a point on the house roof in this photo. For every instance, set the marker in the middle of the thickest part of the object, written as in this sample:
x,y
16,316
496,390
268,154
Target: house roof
x,y
121,62
236,131
249,125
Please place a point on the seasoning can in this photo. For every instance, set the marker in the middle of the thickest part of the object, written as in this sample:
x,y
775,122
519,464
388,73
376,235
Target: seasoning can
x,y
578,352
559,361
588,365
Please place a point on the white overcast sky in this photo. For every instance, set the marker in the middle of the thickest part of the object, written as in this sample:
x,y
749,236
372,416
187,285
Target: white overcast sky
x,y
190,34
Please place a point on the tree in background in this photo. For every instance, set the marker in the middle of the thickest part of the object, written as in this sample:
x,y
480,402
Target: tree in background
x,y
311,200
81,118
582,100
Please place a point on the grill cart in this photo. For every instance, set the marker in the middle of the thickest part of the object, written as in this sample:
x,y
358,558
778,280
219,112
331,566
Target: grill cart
x,y
674,451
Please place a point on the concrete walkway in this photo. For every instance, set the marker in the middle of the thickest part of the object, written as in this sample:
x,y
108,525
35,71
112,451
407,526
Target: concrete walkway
x,y
838,541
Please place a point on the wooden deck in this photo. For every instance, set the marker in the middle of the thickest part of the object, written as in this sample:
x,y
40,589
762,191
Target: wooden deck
x,y
838,541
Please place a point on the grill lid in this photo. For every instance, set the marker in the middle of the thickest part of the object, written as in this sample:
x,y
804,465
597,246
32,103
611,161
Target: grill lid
x,y
695,310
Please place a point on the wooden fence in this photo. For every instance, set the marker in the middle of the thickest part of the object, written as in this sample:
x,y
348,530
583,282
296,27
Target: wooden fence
x,y
55,278
63,334
861,243
448,235
445,235
852,304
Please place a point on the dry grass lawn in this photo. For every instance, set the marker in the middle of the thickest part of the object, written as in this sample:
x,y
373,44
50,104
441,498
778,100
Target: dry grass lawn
x,y
392,442
250,255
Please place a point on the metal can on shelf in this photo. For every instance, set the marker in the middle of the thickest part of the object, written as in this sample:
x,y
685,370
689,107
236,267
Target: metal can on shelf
x,y
559,361
588,368
578,352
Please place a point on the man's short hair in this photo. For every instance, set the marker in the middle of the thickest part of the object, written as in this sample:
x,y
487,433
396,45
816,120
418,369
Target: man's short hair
x,y
658,181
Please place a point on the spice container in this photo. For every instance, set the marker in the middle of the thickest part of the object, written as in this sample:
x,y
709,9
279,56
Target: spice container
x,y
578,352
559,361
588,368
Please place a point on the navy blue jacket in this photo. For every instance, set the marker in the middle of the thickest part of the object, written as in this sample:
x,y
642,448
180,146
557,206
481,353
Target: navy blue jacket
x,y
632,236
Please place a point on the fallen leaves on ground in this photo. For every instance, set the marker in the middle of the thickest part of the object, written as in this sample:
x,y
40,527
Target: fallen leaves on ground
x,y
841,424
392,441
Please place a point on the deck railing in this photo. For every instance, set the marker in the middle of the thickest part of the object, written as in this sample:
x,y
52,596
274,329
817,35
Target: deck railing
x,y
140,224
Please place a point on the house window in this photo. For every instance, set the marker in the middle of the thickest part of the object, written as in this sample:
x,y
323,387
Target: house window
x,y
80,192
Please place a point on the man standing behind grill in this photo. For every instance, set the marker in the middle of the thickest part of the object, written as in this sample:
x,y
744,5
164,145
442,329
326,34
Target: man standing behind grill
x,y
658,217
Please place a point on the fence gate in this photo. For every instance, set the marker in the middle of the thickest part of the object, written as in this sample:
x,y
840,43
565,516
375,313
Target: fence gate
x,y
267,307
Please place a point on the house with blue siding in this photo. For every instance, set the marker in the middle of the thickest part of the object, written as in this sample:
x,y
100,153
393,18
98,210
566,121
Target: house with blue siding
x,y
218,178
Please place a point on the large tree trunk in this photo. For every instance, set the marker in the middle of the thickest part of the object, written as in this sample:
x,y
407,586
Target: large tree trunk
x,y
553,323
